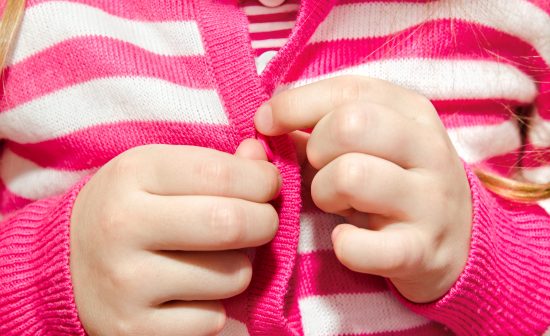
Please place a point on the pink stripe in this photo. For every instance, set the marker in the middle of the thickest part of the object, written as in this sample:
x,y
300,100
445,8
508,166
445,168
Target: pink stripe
x,y
275,17
323,274
464,113
234,307
93,58
536,157
543,100
270,34
504,165
477,42
95,146
150,10
9,201
542,4
260,51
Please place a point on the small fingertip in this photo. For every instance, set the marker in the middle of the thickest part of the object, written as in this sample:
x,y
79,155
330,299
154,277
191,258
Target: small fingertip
x,y
252,149
336,238
336,233
263,119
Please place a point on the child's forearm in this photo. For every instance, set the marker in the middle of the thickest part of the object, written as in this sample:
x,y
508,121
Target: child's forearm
x,y
505,287
36,295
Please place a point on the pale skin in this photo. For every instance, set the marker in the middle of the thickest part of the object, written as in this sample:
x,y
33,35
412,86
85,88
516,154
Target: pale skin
x,y
155,232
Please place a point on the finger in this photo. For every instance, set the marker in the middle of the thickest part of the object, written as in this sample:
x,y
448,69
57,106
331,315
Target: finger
x,y
251,149
186,276
188,170
183,318
303,107
375,130
389,253
364,183
202,223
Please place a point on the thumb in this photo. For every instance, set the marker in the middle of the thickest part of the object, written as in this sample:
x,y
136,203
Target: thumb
x,y
251,149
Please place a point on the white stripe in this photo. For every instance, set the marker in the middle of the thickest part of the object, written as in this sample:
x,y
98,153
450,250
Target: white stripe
x,y
263,60
234,328
263,10
545,204
269,43
445,79
539,130
52,22
537,175
477,143
109,100
356,314
315,231
516,17
28,180
270,26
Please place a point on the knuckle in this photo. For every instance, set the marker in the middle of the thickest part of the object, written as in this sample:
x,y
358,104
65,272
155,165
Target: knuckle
x,y
123,278
112,223
424,103
347,89
126,327
125,165
227,223
397,261
217,173
443,151
350,173
288,103
349,125
408,258
427,112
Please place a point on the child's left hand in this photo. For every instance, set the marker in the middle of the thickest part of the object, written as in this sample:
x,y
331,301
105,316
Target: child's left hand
x,y
385,162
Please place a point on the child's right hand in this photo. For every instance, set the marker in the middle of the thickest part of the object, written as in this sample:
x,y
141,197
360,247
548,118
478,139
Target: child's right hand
x,y
154,234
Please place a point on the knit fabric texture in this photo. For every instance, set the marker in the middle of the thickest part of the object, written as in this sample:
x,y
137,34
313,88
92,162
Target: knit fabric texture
x,y
90,79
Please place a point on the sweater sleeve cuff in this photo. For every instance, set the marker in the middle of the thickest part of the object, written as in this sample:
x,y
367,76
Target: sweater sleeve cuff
x,y
505,287
36,292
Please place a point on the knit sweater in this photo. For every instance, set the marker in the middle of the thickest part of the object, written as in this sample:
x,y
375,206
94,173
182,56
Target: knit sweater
x,y
89,79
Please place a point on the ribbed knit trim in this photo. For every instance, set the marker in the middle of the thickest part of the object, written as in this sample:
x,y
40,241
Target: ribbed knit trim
x,y
36,292
310,15
501,291
230,52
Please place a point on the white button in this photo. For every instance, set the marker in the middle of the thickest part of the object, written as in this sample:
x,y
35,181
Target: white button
x,y
272,3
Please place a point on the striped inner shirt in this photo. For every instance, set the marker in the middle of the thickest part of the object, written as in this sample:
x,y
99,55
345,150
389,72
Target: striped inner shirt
x,y
269,28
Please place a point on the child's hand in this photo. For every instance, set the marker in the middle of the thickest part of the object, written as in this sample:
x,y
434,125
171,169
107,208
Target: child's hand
x,y
154,235
385,162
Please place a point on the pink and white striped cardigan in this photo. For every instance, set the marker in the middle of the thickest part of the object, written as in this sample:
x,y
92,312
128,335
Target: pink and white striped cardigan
x,y
89,79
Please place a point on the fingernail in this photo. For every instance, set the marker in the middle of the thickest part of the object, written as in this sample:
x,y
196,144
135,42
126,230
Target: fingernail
x,y
264,118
